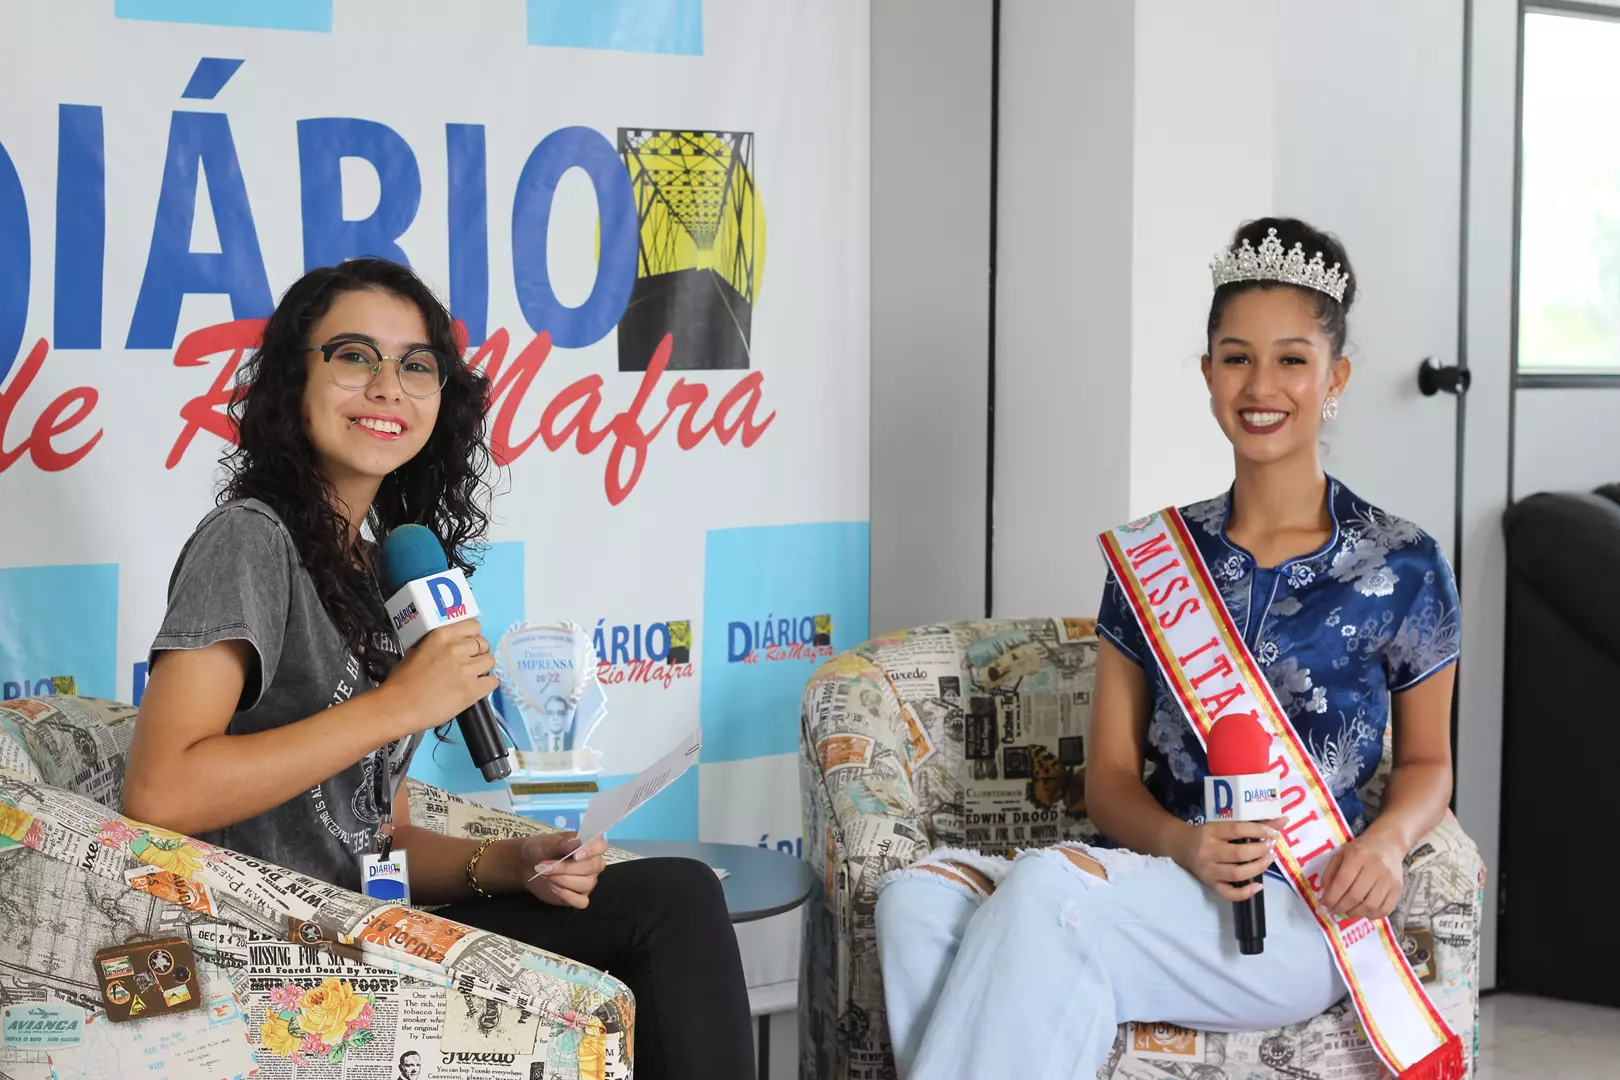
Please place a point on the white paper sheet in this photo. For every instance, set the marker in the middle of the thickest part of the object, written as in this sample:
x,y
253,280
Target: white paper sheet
x,y
607,808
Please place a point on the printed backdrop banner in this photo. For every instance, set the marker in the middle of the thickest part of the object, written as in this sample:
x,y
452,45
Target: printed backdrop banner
x,y
594,188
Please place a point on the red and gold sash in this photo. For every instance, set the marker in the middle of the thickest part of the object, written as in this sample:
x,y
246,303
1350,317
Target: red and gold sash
x,y
1212,674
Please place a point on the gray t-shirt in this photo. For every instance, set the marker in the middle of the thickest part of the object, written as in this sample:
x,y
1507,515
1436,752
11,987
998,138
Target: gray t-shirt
x,y
240,577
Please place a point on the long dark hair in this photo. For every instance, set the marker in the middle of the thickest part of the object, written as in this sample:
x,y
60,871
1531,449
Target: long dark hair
x,y
443,487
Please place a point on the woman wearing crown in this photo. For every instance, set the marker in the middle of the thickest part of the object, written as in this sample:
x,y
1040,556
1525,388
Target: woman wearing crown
x,y
1288,606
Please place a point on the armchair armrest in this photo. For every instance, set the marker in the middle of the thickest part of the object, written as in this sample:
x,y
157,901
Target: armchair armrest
x,y
240,915
857,746
1438,920
450,815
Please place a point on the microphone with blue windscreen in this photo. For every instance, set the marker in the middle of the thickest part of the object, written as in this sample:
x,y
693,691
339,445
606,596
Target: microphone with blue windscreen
x,y
425,593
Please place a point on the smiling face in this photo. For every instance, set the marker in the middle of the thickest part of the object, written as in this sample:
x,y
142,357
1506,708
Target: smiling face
x,y
1269,369
360,436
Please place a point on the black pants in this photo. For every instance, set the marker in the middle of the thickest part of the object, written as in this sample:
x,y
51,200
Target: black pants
x,y
660,927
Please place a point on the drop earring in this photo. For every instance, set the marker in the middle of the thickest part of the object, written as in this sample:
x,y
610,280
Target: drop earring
x,y
1330,409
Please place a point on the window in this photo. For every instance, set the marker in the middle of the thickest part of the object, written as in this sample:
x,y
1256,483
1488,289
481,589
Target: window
x,y
1569,196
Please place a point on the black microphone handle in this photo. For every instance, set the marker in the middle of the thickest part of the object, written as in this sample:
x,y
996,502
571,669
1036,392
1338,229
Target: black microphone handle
x,y
1251,915
481,731
1251,924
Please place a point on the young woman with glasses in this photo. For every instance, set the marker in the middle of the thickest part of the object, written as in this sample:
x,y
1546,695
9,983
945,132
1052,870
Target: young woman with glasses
x,y
279,717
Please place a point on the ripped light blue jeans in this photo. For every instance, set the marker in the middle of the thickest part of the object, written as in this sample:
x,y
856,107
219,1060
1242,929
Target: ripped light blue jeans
x,y
1032,981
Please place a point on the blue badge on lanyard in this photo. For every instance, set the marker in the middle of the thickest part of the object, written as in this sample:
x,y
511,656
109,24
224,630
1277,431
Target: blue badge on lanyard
x,y
385,875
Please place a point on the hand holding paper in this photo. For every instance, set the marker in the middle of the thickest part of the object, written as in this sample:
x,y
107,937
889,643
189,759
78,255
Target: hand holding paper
x,y
565,884
607,808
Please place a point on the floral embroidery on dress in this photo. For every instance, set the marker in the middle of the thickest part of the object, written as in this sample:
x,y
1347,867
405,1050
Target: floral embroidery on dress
x,y
1168,733
1289,682
1339,633
1341,756
1236,595
1211,514
1387,530
1428,637
1363,563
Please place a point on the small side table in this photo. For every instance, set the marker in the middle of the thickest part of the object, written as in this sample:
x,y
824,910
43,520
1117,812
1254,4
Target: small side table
x,y
759,883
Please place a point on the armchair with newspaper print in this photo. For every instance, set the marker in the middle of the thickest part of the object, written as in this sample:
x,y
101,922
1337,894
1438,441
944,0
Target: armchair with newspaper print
x,y
293,972
974,734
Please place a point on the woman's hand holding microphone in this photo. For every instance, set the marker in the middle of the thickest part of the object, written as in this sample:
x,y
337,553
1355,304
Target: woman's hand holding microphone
x,y
1363,879
1212,854
444,673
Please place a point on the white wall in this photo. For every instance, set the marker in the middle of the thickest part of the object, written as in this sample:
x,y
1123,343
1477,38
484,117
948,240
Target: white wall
x,y
1565,439
1063,322
1204,159
930,308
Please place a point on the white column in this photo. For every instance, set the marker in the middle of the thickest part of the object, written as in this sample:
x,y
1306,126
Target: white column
x,y
1203,164
1063,322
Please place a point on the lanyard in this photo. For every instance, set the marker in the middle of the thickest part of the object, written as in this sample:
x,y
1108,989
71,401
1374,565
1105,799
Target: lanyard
x,y
382,788
383,792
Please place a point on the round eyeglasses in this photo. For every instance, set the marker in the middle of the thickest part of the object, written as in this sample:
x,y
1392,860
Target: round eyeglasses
x,y
353,364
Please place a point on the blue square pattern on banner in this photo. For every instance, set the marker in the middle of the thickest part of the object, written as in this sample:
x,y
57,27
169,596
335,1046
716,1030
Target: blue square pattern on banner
x,y
498,587
645,26
672,814
59,620
313,15
778,601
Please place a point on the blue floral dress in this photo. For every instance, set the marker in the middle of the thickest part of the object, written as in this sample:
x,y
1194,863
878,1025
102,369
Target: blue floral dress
x,y
1337,632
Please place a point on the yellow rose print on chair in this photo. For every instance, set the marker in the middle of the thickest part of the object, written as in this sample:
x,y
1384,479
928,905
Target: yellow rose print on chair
x,y
19,827
318,1023
278,1038
171,852
180,855
326,1010
593,1051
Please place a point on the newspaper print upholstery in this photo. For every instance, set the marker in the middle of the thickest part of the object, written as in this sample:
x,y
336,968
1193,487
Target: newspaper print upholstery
x,y
974,735
381,982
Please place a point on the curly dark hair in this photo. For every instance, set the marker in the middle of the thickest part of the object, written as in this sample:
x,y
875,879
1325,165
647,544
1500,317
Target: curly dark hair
x,y
443,487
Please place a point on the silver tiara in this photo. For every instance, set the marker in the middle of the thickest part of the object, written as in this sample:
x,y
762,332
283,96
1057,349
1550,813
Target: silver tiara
x,y
1270,263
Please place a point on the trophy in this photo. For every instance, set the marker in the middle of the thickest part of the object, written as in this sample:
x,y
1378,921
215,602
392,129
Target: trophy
x,y
548,672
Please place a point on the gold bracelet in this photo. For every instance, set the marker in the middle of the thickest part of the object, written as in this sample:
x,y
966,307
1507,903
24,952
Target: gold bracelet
x,y
472,866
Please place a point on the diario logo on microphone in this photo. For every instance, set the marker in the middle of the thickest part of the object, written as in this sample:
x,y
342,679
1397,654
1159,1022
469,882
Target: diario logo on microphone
x,y
447,597
1241,798
654,653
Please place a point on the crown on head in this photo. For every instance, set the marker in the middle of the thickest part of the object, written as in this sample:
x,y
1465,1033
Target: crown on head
x,y
1271,263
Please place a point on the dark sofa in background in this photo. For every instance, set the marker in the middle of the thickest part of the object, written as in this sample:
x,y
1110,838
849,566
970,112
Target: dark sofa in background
x,y
1561,748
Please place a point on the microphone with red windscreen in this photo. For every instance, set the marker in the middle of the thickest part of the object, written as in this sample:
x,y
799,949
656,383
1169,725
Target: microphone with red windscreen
x,y
1241,787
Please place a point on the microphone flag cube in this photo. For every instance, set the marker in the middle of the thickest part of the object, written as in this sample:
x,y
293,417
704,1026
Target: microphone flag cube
x,y
425,604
